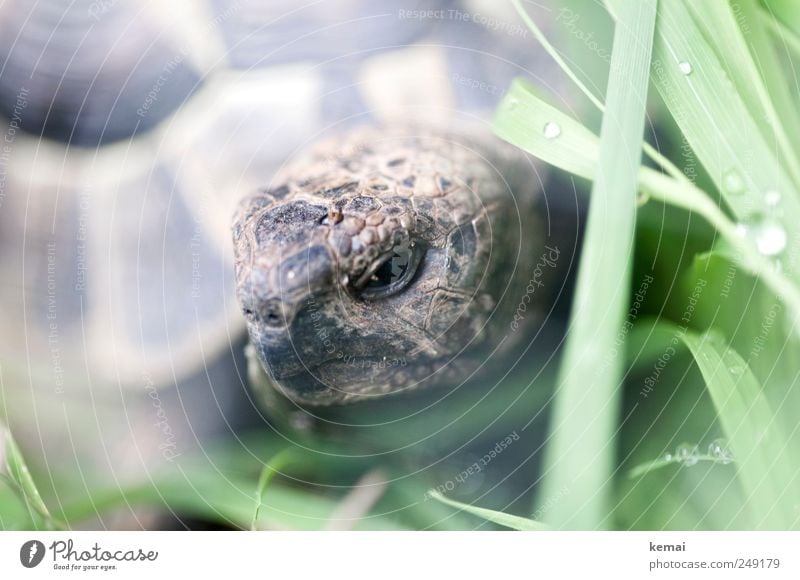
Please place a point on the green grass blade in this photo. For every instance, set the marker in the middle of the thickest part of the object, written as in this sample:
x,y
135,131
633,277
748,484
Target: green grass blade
x,y
270,469
226,499
500,518
649,150
784,11
766,464
14,513
20,476
580,453
551,50
656,464
755,24
712,114
715,120
720,27
784,35
520,120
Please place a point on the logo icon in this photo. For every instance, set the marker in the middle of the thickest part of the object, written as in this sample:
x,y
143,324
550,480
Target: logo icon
x,y
31,553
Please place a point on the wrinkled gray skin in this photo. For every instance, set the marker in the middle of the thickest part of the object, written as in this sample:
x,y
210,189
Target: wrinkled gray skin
x,y
386,260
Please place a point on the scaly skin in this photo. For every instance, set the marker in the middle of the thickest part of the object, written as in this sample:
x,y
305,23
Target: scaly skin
x,y
386,260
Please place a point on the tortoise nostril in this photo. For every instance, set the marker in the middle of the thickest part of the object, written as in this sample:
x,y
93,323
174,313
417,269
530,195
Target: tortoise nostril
x,y
272,314
269,314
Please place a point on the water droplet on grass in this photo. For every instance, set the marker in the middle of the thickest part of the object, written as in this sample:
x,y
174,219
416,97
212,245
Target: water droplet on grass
x,y
685,68
768,235
551,130
718,449
772,198
686,454
771,239
690,461
733,182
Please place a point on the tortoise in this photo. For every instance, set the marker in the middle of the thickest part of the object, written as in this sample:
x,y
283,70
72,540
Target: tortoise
x,y
131,137
386,260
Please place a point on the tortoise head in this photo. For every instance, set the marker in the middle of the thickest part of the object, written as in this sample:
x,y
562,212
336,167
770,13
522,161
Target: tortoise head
x,y
372,267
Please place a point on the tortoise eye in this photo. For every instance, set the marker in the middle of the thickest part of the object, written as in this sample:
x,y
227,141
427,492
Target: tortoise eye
x,y
392,271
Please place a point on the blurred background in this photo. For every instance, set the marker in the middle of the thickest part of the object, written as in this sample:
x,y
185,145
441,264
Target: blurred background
x,y
130,129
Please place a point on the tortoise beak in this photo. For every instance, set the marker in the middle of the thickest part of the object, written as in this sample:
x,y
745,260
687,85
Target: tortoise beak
x,y
293,355
272,294
288,308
